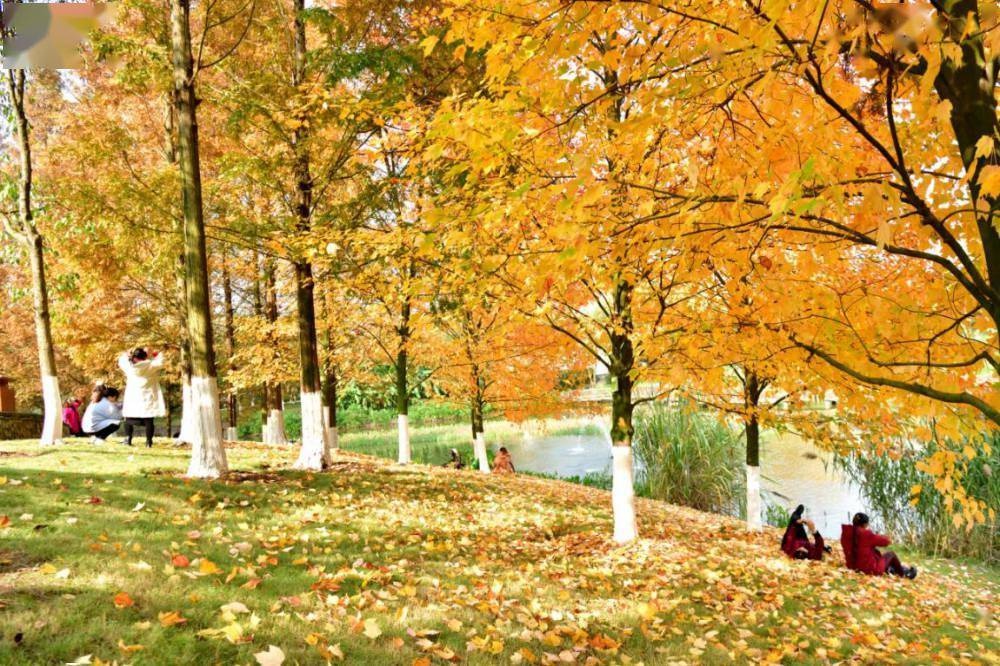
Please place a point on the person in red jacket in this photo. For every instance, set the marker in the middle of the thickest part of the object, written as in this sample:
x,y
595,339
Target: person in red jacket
x,y
796,543
861,550
71,417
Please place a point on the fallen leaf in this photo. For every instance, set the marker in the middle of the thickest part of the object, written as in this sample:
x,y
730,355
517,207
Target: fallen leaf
x,y
372,629
273,657
129,649
171,618
123,600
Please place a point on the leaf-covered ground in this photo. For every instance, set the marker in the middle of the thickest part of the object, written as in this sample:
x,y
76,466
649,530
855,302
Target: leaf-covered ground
x,y
110,553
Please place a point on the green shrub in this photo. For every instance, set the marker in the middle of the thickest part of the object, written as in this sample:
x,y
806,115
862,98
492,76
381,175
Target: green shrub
x,y
927,525
356,417
689,457
776,515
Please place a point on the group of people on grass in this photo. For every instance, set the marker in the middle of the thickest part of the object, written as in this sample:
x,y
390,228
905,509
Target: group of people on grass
x,y
861,546
142,402
502,462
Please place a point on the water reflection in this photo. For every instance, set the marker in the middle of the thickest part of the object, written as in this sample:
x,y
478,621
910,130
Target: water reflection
x,y
794,471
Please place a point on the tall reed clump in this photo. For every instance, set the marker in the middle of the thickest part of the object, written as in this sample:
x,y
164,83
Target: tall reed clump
x,y
927,525
689,457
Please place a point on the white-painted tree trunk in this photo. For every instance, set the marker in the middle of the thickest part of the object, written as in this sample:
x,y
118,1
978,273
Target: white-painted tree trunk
x,y
208,455
52,419
189,419
230,434
404,439
332,436
315,451
623,494
274,429
754,504
479,447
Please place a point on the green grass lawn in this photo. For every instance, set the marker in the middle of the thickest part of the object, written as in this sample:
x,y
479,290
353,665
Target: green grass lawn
x,y
401,565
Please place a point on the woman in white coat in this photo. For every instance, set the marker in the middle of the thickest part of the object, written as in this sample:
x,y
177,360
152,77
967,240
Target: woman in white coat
x,y
143,398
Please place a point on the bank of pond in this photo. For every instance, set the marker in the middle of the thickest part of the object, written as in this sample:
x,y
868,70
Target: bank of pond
x,y
692,459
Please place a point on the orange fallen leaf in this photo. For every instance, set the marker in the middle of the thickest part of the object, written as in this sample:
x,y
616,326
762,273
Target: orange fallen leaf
x,y
180,561
171,618
208,567
129,649
123,600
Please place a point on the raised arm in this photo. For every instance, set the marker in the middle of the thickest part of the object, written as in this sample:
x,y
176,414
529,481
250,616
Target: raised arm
x,y
124,363
157,361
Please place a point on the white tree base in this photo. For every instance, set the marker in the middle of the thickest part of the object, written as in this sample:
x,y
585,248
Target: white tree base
x,y
315,453
52,419
403,426
333,436
190,432
754,504
274,429
208,455
623,494
479,448
231,434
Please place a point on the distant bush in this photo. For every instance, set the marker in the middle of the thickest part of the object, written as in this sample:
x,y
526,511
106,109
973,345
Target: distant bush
x,y
927,525
691,458
356,417
601,480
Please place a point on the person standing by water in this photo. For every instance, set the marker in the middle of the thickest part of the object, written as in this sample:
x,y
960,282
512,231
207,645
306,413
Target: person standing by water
x,y
143,397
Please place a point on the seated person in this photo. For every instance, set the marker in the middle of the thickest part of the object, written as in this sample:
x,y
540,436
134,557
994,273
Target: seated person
x,y
103,415
455,462
861,551
796,542
71,417
503,464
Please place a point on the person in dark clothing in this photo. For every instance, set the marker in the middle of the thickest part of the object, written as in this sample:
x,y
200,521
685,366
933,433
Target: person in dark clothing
x,y
796,544
455,462
861,550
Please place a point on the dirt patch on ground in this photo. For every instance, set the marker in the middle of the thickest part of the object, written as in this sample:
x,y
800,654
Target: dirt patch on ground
x,y
20,454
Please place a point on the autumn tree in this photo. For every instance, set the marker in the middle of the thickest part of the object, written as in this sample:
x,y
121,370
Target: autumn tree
x,y
22,227
565,144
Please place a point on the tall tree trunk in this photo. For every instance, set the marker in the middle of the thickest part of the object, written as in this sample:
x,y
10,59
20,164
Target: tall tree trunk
x,y
52,423
208,458
34,244
189,432
330,393
753,387
402,385
227,291
258,310
478,431
622,406
970,87
274,430
315,451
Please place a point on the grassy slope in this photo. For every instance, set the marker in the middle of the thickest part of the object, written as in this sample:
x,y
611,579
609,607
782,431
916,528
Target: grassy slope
x,y
496,565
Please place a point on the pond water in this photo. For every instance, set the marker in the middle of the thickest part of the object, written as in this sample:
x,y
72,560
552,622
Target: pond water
x,y
794,471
